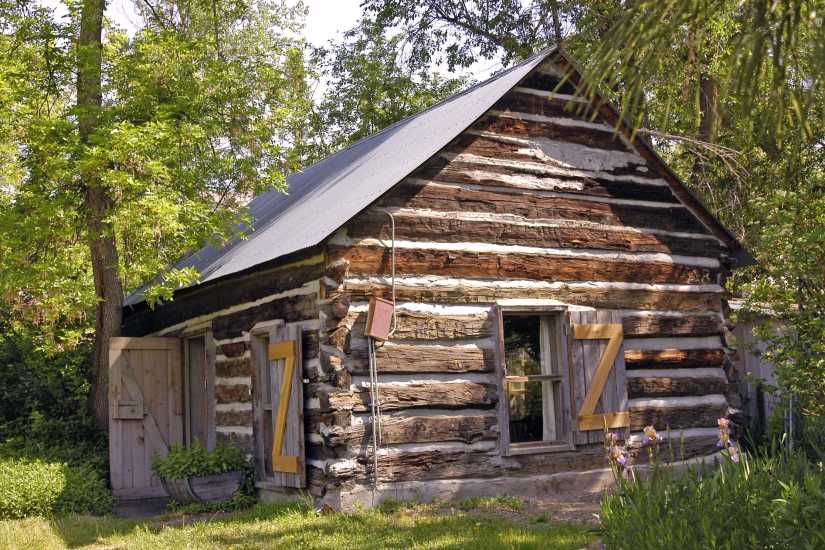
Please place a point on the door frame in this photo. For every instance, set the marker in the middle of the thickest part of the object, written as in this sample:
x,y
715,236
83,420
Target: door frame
x,y
209,370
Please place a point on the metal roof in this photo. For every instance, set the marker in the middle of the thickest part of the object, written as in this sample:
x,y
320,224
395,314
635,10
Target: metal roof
x,y
324,196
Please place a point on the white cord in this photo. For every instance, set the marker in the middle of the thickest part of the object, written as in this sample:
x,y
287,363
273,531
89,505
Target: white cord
x,y
376,414
375,397
392,228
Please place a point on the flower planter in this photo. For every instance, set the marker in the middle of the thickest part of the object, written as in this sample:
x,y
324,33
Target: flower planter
x,y
203,489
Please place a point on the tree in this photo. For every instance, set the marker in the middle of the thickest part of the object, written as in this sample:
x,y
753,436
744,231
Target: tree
x,y
151,152
369,85
458,32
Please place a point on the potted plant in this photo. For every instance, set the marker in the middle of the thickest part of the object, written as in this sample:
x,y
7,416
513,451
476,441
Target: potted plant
x,y
194,475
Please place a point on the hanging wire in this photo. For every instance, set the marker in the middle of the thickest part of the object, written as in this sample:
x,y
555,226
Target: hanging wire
x,y
392,234
375,410
375,397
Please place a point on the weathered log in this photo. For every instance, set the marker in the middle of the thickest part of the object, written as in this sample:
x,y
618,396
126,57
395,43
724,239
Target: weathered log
x,y
673,358
527,171
529,103
454,292
234,349
415,325
699,414
241,366
233,393
462,462
402,358
663,325
533,206
452,395
660,386
316,481
313,420
450,229
445,464
291,309
376,260
416,429
489,156
233,418
558,131
212,297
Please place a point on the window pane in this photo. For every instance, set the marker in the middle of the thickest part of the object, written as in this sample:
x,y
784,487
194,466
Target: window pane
x,y
522,344
526,411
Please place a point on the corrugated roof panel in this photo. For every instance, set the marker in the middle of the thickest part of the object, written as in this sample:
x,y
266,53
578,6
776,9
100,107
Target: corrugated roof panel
x,y
326,195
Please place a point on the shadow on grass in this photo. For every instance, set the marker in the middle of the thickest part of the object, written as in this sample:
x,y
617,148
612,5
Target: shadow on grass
x,y
297,525
80,530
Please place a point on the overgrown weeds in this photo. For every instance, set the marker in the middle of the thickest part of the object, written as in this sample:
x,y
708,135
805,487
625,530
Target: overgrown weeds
x,y
763,501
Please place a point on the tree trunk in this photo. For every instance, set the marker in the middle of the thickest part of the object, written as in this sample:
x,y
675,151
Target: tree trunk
x,y
97,206
554,10
709,105
708,123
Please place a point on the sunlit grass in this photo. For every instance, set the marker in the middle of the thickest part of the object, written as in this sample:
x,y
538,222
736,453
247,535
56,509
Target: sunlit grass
x,y
298,526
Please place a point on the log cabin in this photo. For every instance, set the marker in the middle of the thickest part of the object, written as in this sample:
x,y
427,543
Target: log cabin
x,y
548,274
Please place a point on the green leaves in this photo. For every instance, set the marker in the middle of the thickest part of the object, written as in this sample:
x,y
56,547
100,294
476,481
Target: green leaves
x,y
199,113
195,460
370,85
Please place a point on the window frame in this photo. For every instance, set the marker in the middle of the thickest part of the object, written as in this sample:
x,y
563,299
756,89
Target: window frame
x,y
260,336
558,354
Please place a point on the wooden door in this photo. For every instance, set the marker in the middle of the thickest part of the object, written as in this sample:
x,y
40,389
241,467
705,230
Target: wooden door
x,y
145,411
599,382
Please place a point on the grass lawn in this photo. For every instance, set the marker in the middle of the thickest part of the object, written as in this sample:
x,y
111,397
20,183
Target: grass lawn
x,y
476,524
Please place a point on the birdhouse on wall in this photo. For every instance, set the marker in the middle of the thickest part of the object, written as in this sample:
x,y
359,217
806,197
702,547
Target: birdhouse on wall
x,y
379,318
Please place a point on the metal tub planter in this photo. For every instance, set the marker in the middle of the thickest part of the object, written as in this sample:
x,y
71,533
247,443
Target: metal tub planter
x,y
204,489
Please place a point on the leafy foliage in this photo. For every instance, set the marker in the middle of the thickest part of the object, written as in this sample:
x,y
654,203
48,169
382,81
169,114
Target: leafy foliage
x,y
197,117
458,32
369,86
39,488
762,502
43,395
195,460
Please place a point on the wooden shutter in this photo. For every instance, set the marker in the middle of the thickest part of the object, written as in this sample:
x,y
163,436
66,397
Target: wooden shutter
x,y
145,411
599,386
287,452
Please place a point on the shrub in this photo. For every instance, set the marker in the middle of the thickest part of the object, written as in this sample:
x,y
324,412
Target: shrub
x,y
36,487
762,502
43,390
195,460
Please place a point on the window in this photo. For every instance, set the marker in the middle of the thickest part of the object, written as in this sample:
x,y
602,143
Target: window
x,y
535,381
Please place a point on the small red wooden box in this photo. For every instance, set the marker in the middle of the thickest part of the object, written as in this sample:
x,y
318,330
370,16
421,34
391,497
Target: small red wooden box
x,y
379,318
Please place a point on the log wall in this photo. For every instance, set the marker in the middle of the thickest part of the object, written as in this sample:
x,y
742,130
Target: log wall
x,y
228,311
534,204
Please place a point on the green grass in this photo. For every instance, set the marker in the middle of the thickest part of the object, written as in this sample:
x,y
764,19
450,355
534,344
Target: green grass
x,y
298,526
